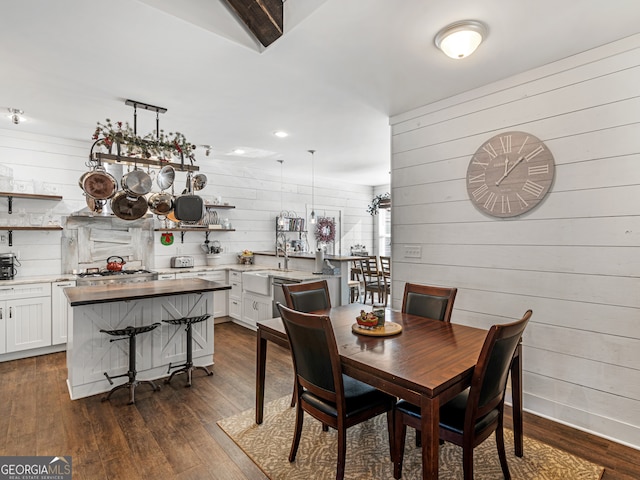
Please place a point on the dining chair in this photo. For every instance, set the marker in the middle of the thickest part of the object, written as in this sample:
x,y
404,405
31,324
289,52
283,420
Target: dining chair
x,y
307,296
385,269
322,390
356,284
428,301
372,278
469,418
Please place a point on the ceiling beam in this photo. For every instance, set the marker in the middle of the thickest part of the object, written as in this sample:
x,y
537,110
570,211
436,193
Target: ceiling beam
x,y
264,18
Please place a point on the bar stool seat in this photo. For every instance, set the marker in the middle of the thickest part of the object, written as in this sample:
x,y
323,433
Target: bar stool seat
x,y
187,366
129,333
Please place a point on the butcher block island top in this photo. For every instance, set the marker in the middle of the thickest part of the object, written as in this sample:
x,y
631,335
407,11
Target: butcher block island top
x,y
88,295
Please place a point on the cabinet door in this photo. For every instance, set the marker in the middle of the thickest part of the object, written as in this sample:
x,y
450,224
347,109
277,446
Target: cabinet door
x,y
255,308
28,323
59,312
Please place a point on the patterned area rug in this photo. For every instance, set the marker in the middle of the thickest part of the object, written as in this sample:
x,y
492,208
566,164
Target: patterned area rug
x,y
368,451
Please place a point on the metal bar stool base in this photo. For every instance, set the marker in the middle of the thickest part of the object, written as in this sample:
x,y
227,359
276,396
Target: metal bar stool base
x,y
129,333
188,367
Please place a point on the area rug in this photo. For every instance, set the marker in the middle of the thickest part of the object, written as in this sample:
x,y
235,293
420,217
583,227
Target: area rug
x,y
368,451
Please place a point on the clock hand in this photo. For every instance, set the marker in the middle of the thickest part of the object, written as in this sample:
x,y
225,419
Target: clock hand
x,y
517,162
506,165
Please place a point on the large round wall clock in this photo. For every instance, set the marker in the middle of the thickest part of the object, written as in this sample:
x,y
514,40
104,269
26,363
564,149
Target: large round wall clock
x,y
510,174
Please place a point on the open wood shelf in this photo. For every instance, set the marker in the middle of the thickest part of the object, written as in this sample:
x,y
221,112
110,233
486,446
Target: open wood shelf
x,y
35,196
16,227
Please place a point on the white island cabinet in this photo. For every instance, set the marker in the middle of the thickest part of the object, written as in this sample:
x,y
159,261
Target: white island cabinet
x,y
90,352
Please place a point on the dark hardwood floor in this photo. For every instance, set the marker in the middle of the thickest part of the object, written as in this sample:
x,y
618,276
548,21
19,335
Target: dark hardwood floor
x,y
172,433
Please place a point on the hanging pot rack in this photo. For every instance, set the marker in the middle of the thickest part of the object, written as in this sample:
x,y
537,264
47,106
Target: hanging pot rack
x,y
101,157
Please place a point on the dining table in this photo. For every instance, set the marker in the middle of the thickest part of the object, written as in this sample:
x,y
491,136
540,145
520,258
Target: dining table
x,y
427,363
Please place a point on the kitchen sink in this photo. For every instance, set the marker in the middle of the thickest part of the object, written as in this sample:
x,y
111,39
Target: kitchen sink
x,y
257,282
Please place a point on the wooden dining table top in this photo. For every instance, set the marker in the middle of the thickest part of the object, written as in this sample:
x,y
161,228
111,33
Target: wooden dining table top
x,y
425,359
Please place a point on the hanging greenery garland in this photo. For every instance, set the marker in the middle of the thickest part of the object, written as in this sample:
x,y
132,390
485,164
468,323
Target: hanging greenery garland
x,y
382,200
325,230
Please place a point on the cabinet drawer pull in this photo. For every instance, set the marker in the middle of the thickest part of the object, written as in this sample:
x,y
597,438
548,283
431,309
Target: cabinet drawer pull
x,y
60,285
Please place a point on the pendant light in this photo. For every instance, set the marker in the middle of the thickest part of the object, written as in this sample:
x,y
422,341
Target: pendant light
x,y
281,216
313,202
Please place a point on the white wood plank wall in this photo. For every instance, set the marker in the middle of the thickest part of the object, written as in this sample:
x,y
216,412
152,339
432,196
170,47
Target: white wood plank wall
x,y
255,194
575,260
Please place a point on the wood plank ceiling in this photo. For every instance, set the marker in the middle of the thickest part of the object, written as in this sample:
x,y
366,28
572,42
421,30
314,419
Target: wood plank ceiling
x,y
264,18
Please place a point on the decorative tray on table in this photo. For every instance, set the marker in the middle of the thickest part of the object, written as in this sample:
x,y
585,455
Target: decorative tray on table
x,y
374,325
386,330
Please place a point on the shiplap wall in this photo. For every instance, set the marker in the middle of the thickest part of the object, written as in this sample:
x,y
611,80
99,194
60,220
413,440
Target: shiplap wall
x,y
574,260
255,194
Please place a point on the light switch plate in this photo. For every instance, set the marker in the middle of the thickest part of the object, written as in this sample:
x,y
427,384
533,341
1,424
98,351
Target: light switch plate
x,y
412,251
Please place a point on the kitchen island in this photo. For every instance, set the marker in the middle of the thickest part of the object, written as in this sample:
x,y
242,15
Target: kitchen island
x,y
108,307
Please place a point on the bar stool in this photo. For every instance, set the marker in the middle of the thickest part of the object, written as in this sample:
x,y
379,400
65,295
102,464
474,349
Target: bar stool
x,y
130,334
188,366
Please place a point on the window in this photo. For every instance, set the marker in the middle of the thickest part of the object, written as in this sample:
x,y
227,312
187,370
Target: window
x,y
384,231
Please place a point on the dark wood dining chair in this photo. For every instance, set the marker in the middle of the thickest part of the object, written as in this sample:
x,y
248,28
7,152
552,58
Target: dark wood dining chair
x,y
372,279
385,270
307,296
429,301
470,417
322,390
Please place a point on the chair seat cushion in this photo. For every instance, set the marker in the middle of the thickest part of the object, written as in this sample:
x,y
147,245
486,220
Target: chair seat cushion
x,y
451,413
359,397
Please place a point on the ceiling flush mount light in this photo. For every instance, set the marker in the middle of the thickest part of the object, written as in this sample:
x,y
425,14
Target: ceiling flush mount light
x,y
16,116
460,39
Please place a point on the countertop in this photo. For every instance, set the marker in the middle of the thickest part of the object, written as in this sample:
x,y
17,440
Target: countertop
x,y
135,291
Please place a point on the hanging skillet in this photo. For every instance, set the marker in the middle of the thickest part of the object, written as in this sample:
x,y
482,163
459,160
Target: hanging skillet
x,y
166,177
161,203
127,207
188,207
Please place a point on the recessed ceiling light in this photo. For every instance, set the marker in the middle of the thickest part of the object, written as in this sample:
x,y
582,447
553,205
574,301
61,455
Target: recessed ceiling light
x,y
239,151
281,134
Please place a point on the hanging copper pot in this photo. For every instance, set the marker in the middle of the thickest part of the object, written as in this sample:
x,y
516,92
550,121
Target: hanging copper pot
x,y
98,184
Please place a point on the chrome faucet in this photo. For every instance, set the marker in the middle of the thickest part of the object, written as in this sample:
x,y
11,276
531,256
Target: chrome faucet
x,y
286,256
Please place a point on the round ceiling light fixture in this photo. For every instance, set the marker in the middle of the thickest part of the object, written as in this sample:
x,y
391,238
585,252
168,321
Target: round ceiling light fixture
x,y
460,39
16,116
281,134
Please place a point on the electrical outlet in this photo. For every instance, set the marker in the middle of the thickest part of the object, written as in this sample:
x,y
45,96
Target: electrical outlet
x,y
3,239
412,251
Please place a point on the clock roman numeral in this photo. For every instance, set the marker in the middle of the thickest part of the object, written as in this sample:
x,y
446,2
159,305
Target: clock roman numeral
x,y
490,150
480,192
477,178
505,142
534,153
490,203
539,169
533,188
523,144
506,206
483,165
521,202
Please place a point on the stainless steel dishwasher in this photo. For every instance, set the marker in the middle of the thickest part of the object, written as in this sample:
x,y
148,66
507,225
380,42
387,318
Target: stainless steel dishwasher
x,y
278,294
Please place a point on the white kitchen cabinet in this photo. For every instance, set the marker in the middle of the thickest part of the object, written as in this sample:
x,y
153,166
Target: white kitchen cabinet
x,y
220,307
26,312
235,295
59,311
255,308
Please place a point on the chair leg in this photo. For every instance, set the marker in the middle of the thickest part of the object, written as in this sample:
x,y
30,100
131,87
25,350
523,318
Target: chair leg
x,y
297,432
501,452
467,461
400,430
342,452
